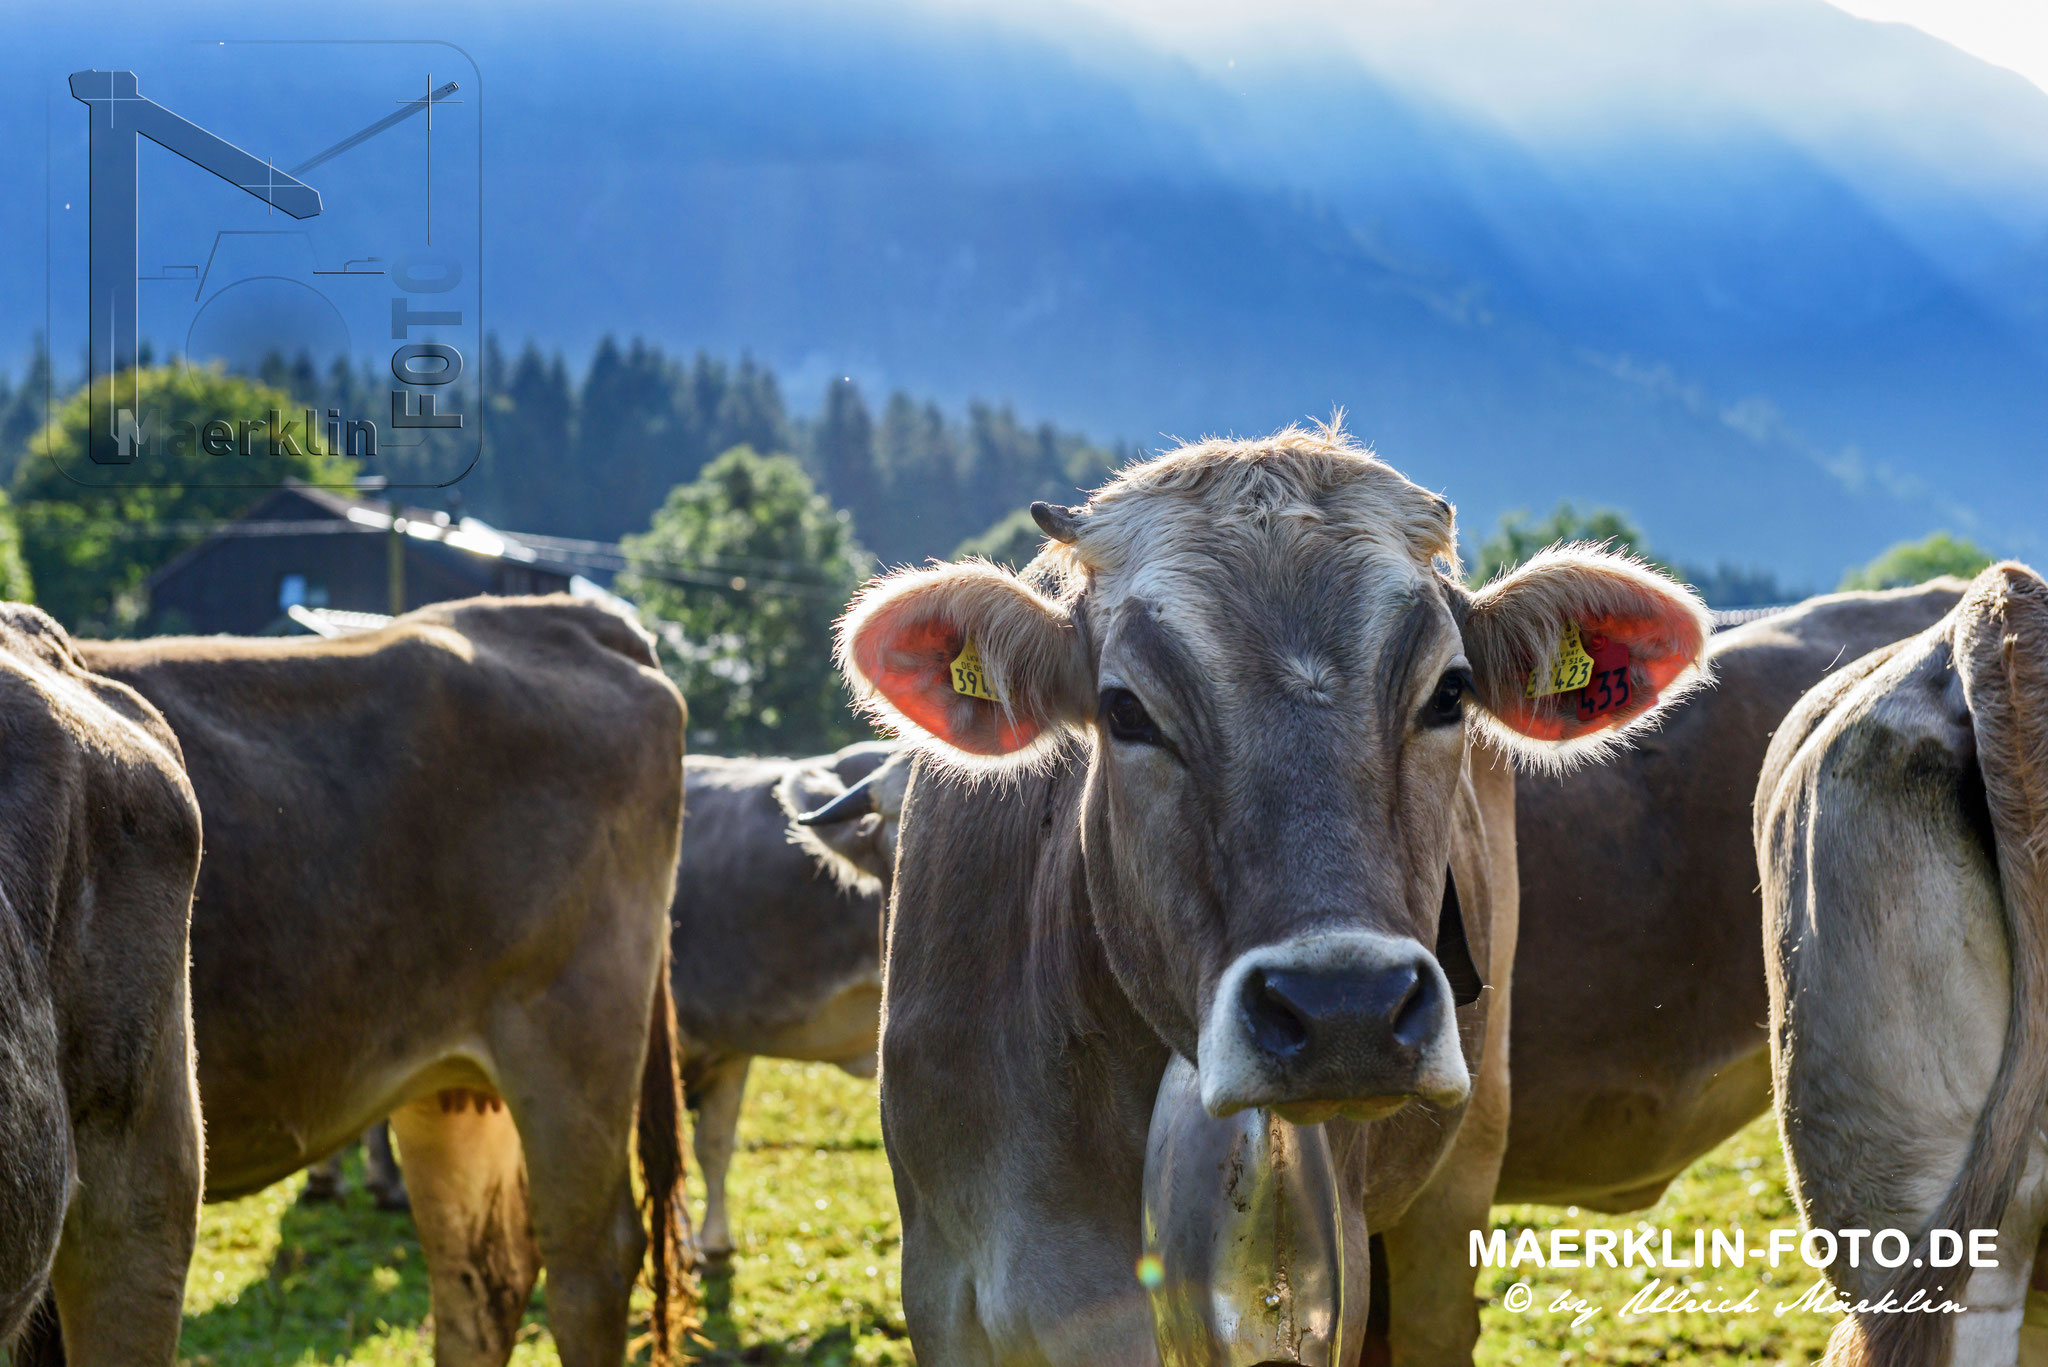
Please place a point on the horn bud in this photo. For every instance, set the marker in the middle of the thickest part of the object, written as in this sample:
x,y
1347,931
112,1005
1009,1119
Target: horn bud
x,y
1061,524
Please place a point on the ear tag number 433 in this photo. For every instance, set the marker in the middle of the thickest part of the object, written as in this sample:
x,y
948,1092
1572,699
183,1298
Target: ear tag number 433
x,y
1595,669
1607,689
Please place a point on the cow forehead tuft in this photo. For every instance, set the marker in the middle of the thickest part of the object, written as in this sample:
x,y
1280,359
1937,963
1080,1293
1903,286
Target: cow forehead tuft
x,y
1300,494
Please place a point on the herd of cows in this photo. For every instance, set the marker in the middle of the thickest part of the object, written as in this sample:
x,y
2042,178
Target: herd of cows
x,y
1534,892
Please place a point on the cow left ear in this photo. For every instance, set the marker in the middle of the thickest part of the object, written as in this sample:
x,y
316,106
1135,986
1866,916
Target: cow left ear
x,y
1577,645
970,657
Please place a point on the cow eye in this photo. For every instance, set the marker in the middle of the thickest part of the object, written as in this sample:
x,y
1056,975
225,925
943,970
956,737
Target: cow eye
x,y
1446,705
1127,717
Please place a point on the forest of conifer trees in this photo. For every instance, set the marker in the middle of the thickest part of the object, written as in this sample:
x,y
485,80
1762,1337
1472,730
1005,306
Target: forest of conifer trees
x,y
591,452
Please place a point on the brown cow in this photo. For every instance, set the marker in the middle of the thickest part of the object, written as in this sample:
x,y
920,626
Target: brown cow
x,y
99,1121
1902,834
777,944
1638,1035
1201,787
439,858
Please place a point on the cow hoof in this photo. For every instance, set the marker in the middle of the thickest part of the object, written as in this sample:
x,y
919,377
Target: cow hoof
x,y
715,1262
397,1202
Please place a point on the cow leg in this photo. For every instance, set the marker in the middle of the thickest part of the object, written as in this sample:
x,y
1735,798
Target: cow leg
x,y
574,1091
324,1180
713,1138
119,1278
385,1181
464,1167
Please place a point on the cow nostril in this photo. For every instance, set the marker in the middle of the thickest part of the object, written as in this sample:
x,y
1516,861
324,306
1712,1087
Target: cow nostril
x,y
1279,1025
1413,1015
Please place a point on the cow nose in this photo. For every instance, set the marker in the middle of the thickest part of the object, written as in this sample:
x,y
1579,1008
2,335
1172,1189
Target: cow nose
x,y
1354,1021
1305,1017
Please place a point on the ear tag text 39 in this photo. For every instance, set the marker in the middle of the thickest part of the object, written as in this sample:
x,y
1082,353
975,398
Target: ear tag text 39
x,y
970,676
1570,668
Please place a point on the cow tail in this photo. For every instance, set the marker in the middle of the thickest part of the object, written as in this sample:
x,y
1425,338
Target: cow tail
x,y
671,1244
2001,653
41,1342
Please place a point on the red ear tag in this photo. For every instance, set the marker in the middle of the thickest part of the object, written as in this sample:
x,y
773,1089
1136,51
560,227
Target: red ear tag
x,y
1608,689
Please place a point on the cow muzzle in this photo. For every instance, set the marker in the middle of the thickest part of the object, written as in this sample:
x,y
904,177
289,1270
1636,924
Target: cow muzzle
x,y
1351,1023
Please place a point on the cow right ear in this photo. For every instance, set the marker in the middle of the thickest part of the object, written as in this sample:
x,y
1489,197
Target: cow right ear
x,y
969,655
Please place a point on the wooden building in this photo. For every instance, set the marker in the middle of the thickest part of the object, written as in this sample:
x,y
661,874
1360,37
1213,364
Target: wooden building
x,y
317,549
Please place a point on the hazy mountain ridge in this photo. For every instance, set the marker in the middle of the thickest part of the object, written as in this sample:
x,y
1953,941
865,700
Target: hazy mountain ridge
x,y
1770,336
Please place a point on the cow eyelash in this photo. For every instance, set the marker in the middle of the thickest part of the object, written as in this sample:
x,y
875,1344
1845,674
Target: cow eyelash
x,y
1127,718
1446,706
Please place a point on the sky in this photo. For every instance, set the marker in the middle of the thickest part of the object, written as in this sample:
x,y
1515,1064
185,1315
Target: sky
x,y
2008,33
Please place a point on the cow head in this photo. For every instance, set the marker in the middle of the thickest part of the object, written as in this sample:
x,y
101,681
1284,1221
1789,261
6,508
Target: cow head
x,y
1262,649
848,809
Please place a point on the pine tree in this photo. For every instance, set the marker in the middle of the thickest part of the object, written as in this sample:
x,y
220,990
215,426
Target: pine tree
x,y
24,416
535,445
843,454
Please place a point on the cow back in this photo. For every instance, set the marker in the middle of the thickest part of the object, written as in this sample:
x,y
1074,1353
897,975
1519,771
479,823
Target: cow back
x,y
401,826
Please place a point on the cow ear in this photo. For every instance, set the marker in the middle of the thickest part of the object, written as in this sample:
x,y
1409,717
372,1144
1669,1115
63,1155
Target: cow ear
x,y
968,655
1577,645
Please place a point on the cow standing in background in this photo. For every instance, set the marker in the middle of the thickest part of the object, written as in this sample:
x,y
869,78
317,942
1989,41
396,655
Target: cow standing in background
x,y
99,1121
439,860
1902,832
1639,1039
778,929
1204,786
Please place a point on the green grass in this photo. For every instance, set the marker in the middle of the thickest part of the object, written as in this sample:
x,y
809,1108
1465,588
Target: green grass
x,y
815,1279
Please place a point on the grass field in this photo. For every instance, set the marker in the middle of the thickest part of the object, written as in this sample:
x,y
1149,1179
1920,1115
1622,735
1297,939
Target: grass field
x,y
815,1280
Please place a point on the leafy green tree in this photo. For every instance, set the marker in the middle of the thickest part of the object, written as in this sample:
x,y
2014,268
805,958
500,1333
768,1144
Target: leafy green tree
x,y
1915,562
742,575
1015,541
1520,536
89,549
1722,586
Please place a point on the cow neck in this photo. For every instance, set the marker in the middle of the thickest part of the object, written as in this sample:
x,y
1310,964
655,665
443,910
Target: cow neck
x,y
1065,969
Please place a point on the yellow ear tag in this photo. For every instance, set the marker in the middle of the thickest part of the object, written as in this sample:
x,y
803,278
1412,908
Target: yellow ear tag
x,y
1571,668
970,676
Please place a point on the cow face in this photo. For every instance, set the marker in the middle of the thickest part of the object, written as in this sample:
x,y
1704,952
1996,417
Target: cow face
x,y
1274,677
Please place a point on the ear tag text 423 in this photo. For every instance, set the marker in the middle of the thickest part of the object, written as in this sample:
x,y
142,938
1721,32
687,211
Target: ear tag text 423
x,y
1570,668
970,676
